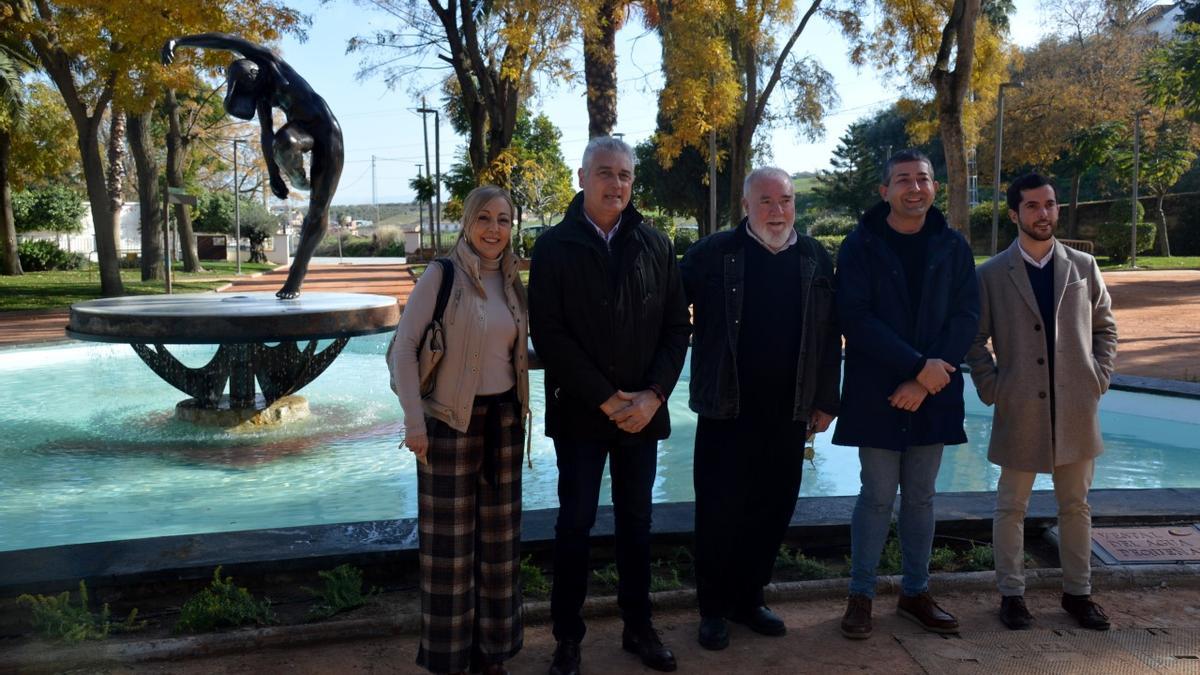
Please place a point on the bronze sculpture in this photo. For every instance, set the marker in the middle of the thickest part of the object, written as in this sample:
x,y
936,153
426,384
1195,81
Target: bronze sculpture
x,y
256,82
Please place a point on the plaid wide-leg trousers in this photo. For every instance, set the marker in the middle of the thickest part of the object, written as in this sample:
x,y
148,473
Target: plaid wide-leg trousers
x,y
469,515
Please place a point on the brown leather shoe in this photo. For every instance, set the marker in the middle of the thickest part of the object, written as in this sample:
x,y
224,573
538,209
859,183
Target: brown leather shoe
x,y
856,622
1086,612
924,611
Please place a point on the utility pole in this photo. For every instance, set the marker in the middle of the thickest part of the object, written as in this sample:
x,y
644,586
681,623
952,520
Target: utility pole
x,y
421,219
1137,137
996,176
374,202
425,131
712,180
237,206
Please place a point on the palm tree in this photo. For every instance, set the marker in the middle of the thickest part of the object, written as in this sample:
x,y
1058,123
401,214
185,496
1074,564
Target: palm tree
x,y
12,63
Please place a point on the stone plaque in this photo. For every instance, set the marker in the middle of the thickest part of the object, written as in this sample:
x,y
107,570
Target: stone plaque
x,y
1121,545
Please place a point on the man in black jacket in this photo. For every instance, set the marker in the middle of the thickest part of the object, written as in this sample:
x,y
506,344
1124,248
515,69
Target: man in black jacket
x,y
609,321
766,363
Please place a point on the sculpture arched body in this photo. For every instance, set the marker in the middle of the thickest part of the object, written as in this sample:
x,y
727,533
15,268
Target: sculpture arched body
x,y
257,82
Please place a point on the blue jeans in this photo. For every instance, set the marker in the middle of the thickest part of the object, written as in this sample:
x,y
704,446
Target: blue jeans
x,y
914,471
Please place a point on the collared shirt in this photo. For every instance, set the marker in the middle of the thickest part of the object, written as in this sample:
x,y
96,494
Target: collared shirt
x,y
791,240
1037,263
607,237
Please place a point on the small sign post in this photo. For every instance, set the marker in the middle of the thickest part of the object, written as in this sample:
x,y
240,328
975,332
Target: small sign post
x,y
173,195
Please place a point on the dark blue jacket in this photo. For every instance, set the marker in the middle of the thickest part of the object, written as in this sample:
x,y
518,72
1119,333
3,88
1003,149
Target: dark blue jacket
x,y
713,272
888,340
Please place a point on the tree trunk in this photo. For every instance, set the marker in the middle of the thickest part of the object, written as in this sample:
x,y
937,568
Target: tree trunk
x,y
149,213
183,218
59,67
958,210
600,68
951,85
1164,244
1073,214
114,180
10,262
103,218
739,164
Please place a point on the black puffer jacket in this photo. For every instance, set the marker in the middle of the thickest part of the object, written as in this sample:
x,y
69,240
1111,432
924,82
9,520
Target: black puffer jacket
x,y
605,321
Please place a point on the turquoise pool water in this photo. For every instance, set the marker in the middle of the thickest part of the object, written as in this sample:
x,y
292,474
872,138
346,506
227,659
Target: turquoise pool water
x,y
90,452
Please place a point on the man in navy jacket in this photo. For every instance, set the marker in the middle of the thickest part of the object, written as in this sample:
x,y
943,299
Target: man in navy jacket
x,y
908,305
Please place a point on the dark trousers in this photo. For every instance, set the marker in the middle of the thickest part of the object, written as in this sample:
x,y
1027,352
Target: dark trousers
x,y
580,469
747,477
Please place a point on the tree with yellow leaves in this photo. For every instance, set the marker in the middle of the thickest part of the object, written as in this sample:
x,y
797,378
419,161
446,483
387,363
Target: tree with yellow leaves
x,y
722,64
952,47
493,47
98,54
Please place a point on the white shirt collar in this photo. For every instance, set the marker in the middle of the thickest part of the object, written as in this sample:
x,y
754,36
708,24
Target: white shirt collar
x,y
607,237
791,240
1037,263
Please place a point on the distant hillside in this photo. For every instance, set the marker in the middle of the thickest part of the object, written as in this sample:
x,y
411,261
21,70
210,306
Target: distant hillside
x,y
395,213
804,182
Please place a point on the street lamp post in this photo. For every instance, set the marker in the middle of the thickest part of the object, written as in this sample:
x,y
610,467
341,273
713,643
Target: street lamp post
x,y
999,144
237,208
1137,136
436,221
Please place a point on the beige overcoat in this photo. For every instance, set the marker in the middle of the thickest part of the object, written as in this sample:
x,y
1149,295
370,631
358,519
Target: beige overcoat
x,y
1012,374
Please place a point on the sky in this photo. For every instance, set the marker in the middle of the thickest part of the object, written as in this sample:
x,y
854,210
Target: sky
x,y
382,122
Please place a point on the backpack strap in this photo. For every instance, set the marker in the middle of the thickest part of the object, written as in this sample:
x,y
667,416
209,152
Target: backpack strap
x,y
443,296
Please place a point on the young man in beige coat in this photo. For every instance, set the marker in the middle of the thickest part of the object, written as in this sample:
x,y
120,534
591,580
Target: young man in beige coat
x,y
1053,340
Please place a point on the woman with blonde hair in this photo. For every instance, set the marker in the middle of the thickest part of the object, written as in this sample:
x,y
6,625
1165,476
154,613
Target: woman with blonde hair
x,y
467,434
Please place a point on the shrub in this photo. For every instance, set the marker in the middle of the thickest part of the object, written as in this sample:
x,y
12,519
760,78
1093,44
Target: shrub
x,y
533,580
981,228
222,605
40,255
804,567
1113,239
1119,211
56,618
343,591
831,243
831,225
684,238
978,559
943,558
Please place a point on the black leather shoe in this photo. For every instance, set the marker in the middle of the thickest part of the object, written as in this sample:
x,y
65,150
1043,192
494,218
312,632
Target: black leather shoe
x,y
762,621
714,634
1014,613
1086,612
644,642
566,658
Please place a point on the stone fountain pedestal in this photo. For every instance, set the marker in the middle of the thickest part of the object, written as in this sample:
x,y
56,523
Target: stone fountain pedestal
x,y
258,359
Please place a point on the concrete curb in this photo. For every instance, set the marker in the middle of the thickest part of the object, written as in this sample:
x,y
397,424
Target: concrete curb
x,y
38,658
254,275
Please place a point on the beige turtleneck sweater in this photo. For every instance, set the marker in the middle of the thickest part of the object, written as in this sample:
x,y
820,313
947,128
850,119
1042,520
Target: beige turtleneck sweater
x,y
497,374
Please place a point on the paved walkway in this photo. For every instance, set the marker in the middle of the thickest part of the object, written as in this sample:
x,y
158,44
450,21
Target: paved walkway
x,y
812,645
1156,312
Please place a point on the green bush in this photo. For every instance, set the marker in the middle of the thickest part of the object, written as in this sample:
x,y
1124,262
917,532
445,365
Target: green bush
x,y
56,618
343,591
40,255
684,238
534,583
792,560
831,224
943,558
831,243
1113,239
1119,211
222,605
981,228
978,559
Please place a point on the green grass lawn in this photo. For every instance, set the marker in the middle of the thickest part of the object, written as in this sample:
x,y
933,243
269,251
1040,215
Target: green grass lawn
x,y
1144,262
50,290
